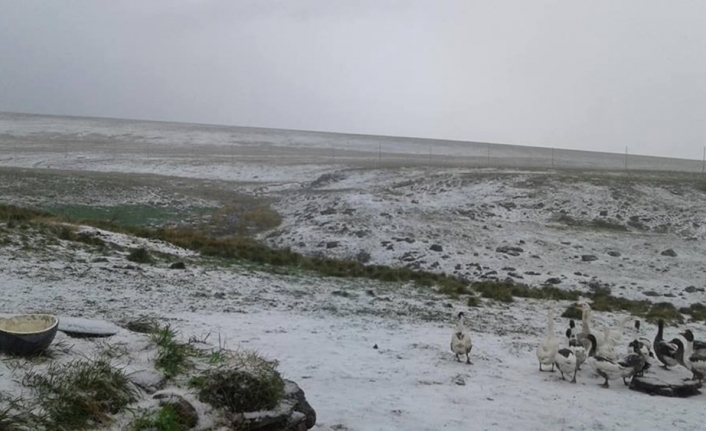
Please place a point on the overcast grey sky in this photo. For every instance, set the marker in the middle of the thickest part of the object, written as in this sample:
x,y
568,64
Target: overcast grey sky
x,y
589,74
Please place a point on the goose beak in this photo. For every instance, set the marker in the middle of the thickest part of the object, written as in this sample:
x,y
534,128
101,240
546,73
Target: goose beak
x,y
683,334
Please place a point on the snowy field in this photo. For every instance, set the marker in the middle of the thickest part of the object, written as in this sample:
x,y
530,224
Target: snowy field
x,y
335,200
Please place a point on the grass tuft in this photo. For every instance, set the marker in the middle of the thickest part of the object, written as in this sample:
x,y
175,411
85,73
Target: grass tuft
x,y
166,418
173,357
81,394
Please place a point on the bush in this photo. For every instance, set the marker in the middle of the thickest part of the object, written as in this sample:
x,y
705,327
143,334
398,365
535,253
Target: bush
x,y
572,312
473,301
697,311
240,391
665,311
140,255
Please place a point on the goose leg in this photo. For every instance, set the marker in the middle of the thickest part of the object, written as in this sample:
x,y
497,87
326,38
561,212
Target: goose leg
x,y
625,382
574,379
457,358
552,368
540,367
606,385
562,375
468,358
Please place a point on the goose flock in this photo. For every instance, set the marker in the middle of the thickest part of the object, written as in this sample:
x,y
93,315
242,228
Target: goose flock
x,y
600,349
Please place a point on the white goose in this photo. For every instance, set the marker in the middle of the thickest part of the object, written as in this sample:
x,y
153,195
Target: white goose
x,y
460,340
608,338
548,348
611,369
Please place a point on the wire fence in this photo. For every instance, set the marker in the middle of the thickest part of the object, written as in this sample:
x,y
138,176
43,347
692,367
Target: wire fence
x,y
282,147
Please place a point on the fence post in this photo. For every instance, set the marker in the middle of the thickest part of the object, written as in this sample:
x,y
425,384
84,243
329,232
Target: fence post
x,y
552,157
703,163
380,155
488,155
626,157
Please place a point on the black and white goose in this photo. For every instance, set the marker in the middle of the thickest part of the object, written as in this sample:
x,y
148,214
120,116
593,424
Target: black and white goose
x,y
460,340
665,351
611,369
644,345
694,360
575,345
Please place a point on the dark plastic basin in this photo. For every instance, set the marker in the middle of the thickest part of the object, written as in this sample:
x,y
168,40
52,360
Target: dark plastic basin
x,y
27,334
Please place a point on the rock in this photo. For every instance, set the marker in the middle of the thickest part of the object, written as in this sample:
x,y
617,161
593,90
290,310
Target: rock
x,y
328,211
332,244
436,247
148,380
362,233
604,213
143,325
511,250
588,258
219,295
651,293
553,280
669,252
100,260
375,347
673,383
185,412
293,413
177,265
690,289
614,253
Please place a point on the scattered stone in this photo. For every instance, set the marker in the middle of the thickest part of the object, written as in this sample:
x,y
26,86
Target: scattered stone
x,y
100,260
219,295
370,293
553,280
177,265
614,253
375,347
588,258
511,250
143,325
532,273
669,252
328,211
459,380
148,380
332,244
604,213
436,247
651,293
362,233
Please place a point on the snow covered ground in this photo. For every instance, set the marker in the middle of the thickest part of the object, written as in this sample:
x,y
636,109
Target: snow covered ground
x,y
323,330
